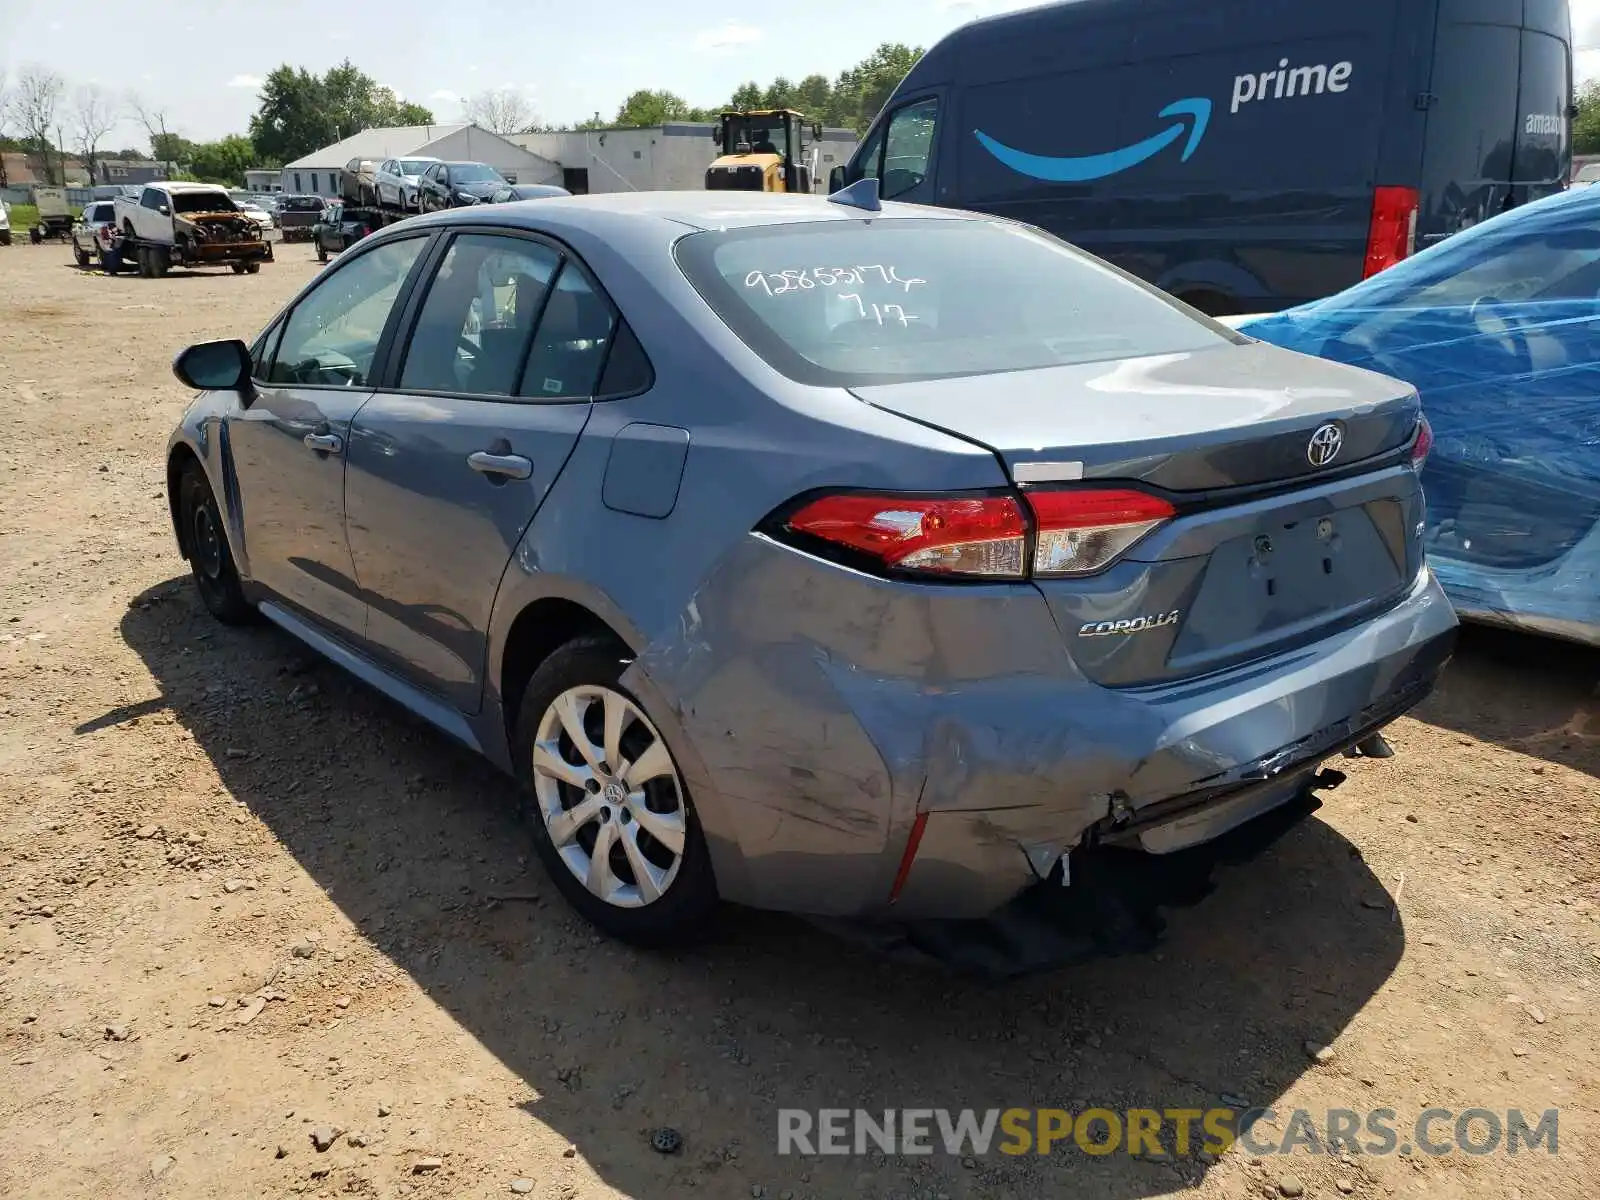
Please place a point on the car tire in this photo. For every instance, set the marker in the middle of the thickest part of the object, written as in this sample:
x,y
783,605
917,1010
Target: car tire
x,y
648,891
5,238
80,255
238,268
205,539
252,268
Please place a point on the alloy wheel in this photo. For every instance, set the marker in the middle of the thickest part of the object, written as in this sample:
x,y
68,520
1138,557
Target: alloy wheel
x,y
609,796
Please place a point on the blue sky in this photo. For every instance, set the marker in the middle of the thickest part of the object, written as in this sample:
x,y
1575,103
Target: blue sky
x,y
573,58
203,60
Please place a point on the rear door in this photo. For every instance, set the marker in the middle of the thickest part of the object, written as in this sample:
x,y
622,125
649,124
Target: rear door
x,y
450,460
1497,130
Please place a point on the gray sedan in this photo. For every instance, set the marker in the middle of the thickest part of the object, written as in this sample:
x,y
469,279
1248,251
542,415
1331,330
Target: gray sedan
x,y
867,562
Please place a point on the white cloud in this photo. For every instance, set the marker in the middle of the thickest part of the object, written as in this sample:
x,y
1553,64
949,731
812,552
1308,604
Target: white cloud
x,y
246,81
444,96
726,37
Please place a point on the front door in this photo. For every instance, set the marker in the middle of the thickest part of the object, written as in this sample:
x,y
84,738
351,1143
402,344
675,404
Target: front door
x,y
449,466
290,443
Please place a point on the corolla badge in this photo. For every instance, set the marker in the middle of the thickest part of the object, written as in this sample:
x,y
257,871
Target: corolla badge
x,y
1128,626
1325,445
1099,166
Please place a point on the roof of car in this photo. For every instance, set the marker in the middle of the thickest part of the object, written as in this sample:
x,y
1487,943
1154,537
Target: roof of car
x,y
190,187
697,210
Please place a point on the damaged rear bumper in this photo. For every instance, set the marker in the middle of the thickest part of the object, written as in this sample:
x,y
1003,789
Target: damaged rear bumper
x,y
824,715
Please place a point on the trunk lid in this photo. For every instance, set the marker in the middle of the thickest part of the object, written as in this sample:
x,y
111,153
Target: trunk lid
x,y
1269,548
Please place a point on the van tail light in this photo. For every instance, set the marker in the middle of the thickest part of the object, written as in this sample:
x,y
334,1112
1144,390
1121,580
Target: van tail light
x,y
963,537
1080,531
983,537
1392,233
1423,444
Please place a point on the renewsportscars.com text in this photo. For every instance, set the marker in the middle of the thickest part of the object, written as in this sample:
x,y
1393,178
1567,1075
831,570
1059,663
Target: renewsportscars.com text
x,y
1162,1132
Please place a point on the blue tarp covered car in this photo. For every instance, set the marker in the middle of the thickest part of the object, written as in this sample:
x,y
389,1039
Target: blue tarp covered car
x,y
1499,330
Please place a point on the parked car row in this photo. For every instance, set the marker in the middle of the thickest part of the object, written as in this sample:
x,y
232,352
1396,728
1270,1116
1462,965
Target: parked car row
x,y
431,185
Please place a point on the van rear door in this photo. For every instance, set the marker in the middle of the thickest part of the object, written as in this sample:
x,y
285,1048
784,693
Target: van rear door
x,y
1497,126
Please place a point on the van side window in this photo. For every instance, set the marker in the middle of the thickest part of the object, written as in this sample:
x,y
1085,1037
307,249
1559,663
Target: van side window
x,y
908,145
868,156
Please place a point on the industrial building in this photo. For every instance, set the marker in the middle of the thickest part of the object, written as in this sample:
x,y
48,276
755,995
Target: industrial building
x,y
655,158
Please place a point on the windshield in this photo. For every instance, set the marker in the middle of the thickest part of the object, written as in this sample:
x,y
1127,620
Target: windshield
x,y
102,212
414,166
301,204
843,303
764,135
473,173
202,202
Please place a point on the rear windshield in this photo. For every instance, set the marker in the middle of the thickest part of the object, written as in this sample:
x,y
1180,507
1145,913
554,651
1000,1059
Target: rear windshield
x,y
302,204
414,166
842,303
102,212
201,202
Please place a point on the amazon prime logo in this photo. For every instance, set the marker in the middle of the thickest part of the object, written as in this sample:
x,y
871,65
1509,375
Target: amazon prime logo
x,y
1325,444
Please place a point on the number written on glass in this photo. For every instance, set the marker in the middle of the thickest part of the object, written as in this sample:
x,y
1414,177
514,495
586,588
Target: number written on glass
x,y
776,283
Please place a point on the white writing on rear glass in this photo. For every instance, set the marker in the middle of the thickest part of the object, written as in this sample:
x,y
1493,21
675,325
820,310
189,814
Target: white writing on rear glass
x,y
881,313
776,283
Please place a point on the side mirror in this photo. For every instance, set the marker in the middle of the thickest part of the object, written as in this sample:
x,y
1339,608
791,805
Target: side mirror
x,y
816,131
214,366
163,210
716,134
836,180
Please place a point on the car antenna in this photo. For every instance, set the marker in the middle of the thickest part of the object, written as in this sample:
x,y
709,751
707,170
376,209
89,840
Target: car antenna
x,y
862,194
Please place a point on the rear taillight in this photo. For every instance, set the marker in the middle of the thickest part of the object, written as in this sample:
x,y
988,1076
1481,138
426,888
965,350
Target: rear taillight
x,y
979,537
1073,531
1423,444
1392,232
1080,531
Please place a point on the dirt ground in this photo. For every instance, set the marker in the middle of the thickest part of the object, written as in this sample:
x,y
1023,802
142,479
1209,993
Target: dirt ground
x,y
248,901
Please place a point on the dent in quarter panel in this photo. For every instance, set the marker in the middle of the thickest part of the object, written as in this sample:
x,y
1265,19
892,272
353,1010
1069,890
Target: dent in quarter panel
x,y
824,702
644,469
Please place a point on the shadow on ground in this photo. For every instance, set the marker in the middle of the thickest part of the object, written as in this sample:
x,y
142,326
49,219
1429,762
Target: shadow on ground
x,y
1558,721
411,837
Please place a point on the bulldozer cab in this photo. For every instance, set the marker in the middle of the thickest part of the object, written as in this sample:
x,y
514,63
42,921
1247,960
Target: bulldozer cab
x,y
762,151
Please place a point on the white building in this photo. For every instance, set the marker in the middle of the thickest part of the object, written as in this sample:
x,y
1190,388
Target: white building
x,y
656,158
262,179
317,174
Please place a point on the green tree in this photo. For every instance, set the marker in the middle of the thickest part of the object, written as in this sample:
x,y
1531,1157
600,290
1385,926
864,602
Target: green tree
x,y
867,86
293,117
779,94
1586,125
647,107
301,112
224,161
171,148
746,96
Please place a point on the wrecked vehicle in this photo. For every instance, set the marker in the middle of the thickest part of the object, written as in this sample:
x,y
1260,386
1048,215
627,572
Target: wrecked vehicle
x,y
187,225
950,575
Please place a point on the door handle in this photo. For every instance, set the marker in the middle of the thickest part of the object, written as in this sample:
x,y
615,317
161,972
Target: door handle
x,y
511,466
324,443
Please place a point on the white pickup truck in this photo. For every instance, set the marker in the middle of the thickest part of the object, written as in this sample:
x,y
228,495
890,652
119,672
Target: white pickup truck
x,y
187,224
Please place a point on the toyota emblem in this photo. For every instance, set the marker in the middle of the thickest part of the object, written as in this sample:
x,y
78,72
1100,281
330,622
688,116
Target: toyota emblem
x,y
1325,445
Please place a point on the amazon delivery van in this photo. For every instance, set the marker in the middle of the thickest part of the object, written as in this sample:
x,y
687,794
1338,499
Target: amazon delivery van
x,y
1244,155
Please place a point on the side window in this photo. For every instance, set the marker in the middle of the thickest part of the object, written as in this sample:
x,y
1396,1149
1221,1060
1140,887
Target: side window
x,y
570,347
332,335
297,181
475,327
628,371
908,146
150,199
869,156
261,352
